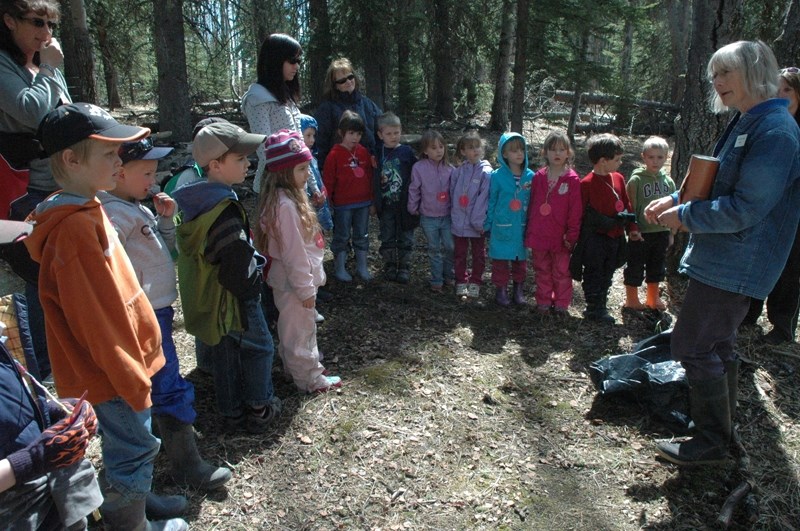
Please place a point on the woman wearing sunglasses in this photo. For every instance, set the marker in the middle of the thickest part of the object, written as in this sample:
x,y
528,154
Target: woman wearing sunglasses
x,y
270,104
740,239
341,93
31,85
783,302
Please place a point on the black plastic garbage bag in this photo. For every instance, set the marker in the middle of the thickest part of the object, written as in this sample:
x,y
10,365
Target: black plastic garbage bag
x,y
649,376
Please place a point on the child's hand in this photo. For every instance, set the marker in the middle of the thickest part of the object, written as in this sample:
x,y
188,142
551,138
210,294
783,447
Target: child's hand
x,y
165,205
310,302
317,200
635,236
568,244
373,211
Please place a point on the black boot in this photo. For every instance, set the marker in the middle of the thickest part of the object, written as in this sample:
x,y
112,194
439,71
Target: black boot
x,y
186,465
596,308
710,409
119,515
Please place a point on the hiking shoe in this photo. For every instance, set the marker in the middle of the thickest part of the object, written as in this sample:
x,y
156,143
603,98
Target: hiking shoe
x,y
473,291
258,420
331,383
462,290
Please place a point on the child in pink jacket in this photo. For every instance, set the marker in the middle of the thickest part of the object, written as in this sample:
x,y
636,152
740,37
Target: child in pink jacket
x,y
289,230
554,224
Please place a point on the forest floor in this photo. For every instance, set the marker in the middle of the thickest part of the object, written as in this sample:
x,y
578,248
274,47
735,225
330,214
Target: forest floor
x,y
462,415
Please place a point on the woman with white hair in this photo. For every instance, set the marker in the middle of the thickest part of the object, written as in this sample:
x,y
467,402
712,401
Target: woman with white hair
x,y
740,239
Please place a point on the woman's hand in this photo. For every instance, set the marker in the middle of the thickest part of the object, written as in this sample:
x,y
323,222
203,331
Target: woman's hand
x,y
655,208
51,54
669,218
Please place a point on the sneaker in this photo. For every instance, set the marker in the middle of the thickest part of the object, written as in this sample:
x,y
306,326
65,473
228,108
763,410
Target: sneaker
x,y
473,291
318,317
449,282
331,383
462,290
543,309
436,288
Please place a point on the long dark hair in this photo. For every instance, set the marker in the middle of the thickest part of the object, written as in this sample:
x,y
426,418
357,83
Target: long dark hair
x,y
276,50
18,9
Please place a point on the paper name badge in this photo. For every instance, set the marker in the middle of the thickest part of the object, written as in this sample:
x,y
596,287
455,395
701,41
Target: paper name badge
x,y
740,140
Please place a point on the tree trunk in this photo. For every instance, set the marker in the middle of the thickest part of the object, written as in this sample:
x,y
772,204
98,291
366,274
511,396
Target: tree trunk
x,y
579,85
444,72
679,13
174,107
499,120
375,65
404,82
78,57
787,45
714,22
520,66
101,22
319,47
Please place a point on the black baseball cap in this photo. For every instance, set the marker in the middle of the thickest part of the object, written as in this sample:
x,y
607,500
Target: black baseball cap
x,y
142,150
68,124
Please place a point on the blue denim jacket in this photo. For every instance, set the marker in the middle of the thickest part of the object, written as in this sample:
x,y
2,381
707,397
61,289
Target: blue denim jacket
x,y
742,235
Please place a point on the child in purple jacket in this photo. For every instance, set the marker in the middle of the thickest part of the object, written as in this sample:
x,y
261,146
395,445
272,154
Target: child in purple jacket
x,y
554,224
469,193
429,198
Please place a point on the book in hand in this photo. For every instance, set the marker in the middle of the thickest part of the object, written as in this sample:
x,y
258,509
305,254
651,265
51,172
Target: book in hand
x,y
699,180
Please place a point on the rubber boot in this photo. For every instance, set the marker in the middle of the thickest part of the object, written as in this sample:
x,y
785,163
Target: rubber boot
x,y
501,296
389,257
361,266
519,293
119,515
404,265
157,507
632,298
341,273
710,410
186,465
654,301
596,309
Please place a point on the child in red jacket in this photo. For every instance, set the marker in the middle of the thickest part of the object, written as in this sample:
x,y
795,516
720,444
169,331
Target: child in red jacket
x,y
348,178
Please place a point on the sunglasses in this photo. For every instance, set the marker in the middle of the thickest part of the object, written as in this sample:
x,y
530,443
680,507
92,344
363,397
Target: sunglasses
x,y
345,79
40,22
790,70
135,150
294,61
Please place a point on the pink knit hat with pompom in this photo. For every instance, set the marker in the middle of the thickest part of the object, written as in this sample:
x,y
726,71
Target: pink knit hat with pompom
x,y
285,149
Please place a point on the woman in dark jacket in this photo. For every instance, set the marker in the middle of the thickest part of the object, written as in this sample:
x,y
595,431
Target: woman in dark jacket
x,y
341,93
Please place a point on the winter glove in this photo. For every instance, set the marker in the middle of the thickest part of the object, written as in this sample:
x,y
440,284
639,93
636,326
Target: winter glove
x,y
57,413
61,445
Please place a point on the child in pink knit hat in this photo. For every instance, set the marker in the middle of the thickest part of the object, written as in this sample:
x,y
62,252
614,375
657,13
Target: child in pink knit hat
x,y
289,231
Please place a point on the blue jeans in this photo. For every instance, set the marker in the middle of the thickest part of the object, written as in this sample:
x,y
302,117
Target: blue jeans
x,y
172,395
128,447
243,364
345,221
440,247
